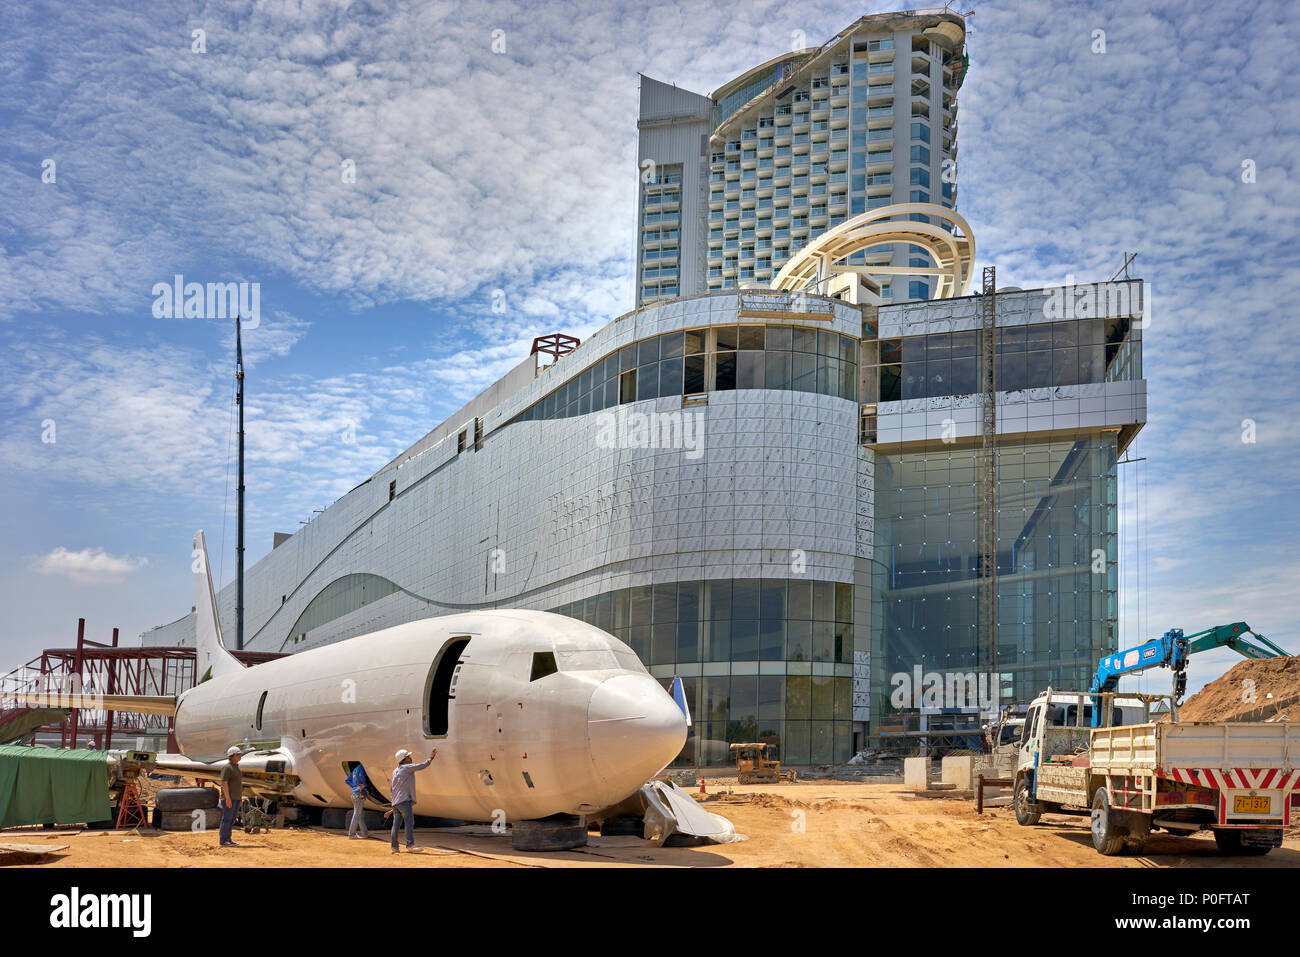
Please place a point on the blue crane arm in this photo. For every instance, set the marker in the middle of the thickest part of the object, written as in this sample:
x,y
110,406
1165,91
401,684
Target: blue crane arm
x,y
1171,650
1168,651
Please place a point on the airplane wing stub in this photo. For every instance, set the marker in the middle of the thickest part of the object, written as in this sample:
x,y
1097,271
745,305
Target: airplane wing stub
x,y
163,705
267,772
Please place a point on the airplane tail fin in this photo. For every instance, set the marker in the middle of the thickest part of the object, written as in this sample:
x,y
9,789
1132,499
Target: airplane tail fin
x,y
678,691
212,658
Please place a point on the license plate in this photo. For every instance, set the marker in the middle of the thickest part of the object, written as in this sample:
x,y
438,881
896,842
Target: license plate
x,y
1251,804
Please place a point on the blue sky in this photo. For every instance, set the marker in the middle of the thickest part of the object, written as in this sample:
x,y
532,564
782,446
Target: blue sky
x,y
479,170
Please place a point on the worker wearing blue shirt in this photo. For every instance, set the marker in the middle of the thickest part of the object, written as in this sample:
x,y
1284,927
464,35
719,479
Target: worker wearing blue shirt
x,y
357,781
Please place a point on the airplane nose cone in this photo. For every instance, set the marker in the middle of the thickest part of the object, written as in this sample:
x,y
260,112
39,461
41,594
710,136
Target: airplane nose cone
x,y
634,728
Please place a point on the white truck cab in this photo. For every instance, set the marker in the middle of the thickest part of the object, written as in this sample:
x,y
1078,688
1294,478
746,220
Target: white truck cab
x,y
1132,774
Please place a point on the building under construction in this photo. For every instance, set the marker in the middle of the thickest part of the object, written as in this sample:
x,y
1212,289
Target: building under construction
x,y
92,668
775,495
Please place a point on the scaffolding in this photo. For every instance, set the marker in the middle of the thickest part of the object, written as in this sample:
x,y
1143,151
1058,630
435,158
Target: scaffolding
x,y
92,668
988,476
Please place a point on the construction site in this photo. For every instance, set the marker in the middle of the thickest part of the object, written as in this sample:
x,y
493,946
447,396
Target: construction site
x,y
877,811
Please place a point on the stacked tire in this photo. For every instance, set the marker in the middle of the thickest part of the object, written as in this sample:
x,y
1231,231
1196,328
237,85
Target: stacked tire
x,y
186,809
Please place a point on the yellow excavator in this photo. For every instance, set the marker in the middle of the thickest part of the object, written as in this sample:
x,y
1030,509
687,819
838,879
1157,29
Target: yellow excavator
x,y
755,767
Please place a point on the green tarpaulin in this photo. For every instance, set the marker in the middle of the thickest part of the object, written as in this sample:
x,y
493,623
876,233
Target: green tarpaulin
x,y
52,786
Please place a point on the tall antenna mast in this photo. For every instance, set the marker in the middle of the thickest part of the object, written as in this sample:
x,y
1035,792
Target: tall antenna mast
x,y
239,494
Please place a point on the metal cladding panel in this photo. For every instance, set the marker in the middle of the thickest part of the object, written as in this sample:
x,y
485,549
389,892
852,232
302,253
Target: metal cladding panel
x,y
547,512
659,99
1226,745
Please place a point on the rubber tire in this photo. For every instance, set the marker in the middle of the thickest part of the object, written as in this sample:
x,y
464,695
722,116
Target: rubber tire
x,y
335,818
185,799
338,819
1020,801
1230,843
422,821
106,825
559,832
1105,839
184,820
622,826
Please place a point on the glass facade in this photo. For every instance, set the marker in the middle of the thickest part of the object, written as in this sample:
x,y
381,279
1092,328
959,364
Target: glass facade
x,y
338,598
1057,572
716,358
729,626
1034,356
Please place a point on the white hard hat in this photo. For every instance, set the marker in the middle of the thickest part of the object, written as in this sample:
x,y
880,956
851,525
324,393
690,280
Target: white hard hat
x,y
402,755
233,749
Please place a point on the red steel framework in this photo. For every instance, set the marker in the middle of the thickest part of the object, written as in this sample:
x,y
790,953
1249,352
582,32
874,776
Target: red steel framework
x,y
93,667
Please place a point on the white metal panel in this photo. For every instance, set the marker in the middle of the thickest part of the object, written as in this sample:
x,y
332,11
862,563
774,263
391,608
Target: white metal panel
x,y
1224,745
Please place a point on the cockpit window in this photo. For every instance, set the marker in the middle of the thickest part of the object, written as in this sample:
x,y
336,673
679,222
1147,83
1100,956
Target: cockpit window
x,y
628,661
592,659
543,665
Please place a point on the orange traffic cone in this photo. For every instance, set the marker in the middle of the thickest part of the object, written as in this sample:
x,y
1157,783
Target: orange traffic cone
x,y
701,785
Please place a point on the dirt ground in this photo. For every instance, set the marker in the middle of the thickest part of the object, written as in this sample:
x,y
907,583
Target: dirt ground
x,y
808,824
1254,689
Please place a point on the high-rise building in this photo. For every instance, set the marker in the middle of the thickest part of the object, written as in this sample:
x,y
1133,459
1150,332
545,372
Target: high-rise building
x,y
735,183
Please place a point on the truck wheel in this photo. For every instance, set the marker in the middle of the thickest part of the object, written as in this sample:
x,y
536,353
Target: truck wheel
x,y
1024,815
1230,843
1106,838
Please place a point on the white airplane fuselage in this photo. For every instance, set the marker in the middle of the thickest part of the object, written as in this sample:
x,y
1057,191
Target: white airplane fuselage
x,y
514,737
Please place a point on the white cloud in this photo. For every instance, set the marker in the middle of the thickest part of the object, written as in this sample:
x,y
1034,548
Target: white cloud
x,y
90,566
138,421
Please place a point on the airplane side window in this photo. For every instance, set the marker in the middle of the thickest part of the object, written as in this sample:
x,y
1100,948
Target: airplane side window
x,y
261,703
543,665
441,693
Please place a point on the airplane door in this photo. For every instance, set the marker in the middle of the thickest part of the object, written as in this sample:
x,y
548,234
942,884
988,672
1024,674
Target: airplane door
x,y
444,679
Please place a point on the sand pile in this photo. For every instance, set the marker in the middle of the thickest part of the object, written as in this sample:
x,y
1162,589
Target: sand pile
x,y
1243,694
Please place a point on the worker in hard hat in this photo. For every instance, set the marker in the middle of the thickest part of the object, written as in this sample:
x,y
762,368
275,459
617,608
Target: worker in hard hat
x,y
232,792
403,795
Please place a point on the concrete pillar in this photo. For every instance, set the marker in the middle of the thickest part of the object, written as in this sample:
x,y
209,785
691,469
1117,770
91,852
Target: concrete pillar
x,y
916,773
959,771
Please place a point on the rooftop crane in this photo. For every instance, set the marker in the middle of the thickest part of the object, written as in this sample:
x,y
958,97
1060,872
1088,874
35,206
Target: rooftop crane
x,y
1172,650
